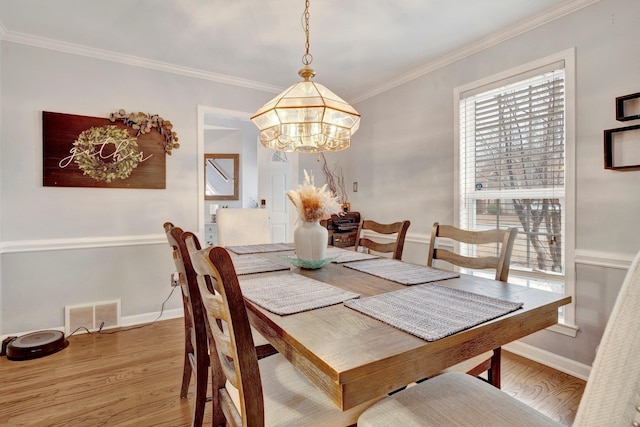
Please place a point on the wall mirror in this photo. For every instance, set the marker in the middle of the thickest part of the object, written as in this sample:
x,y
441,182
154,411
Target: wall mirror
x,y
221,176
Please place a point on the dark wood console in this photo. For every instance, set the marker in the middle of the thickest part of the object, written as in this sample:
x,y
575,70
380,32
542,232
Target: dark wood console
x,y
343,229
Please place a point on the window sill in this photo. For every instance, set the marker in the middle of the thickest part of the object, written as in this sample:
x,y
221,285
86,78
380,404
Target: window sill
x,y
564,329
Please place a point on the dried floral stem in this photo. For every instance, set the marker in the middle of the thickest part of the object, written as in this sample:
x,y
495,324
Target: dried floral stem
x,y
337,189
313,203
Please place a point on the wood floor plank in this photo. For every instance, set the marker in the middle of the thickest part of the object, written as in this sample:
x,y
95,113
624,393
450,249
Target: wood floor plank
x,y
132,378
548,390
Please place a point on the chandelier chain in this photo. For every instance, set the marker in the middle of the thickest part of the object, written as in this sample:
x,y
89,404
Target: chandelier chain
x,y
300,119
307,58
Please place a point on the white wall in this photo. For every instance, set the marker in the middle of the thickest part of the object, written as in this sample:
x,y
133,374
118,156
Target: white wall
x,y
65,246
403,154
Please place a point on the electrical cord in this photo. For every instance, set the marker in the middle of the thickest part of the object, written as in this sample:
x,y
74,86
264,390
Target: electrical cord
x,y
101,332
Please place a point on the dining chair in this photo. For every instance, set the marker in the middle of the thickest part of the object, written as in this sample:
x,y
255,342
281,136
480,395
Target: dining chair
x,y
611,396
240,226
196,354
196,351
398,228
501,245
248,391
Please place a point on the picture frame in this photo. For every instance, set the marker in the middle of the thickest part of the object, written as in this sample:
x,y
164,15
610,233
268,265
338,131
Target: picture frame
x,y
628,107
222,176
60,155
619,143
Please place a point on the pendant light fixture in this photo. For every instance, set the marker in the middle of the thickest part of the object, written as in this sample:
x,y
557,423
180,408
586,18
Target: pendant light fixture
x,y
307,117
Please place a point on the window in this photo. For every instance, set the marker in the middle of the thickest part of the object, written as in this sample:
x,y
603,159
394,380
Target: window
x,y
515,145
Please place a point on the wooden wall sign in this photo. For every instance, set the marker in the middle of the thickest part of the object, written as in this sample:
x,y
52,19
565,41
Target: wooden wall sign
x,y
81,151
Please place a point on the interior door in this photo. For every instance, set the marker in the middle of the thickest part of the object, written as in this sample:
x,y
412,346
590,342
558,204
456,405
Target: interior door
x,y
276,173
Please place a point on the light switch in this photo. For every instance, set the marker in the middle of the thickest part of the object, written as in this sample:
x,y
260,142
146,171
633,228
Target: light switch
x,y
355,186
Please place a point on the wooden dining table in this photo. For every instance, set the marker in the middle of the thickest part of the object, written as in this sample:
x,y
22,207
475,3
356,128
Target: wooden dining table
x,y
355,358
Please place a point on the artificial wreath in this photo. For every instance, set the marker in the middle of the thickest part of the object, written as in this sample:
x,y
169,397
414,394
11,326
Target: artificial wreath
x,y
144,123
102,163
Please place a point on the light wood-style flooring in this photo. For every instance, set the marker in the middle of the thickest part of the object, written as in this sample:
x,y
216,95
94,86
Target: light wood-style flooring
x,y
132,378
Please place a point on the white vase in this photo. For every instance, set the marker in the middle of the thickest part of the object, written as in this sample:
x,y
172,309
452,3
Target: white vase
x,y
310,240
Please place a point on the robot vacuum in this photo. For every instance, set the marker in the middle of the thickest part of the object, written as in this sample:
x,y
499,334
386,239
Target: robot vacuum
x,y
36,344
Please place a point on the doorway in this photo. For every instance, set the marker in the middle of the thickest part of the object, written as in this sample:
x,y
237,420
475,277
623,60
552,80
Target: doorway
x,y
262,176
277,173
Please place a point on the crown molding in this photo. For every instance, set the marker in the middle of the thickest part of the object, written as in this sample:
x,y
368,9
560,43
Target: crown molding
x,y
427,68
485,43
76,49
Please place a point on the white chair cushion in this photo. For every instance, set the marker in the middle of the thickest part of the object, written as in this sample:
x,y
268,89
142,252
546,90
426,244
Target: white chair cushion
x,y
452,399
290,399
612,394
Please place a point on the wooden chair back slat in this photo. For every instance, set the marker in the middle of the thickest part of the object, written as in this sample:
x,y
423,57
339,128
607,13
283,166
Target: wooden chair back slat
x,y
504,238
378,247
399,228
466,262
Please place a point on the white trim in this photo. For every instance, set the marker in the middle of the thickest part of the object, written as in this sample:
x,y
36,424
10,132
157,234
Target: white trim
x,y
136,61
126,321
80,243
563,364
603,259
564,329
472,49
569,58
492,40
202,111
140,319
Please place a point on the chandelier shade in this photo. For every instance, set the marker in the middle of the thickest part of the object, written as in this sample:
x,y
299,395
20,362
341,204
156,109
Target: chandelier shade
x,y
306,117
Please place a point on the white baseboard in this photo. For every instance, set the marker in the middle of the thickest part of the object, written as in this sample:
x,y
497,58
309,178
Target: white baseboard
x,y
125,321
562,364
139,319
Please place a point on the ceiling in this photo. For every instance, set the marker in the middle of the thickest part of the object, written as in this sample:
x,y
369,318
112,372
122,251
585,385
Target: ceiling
x,y
360,47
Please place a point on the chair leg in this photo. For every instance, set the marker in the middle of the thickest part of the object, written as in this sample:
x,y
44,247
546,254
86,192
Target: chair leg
x,y
200,398
187,370
494,371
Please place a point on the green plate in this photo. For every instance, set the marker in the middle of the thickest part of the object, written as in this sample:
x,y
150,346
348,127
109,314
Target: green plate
x,y
309,264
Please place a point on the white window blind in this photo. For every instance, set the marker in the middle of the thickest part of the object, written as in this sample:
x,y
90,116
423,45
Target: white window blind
x,y
511,172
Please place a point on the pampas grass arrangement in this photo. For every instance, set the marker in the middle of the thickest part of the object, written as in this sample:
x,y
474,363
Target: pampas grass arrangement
x,y
313,203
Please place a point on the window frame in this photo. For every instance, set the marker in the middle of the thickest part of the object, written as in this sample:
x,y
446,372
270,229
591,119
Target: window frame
x,y
568,327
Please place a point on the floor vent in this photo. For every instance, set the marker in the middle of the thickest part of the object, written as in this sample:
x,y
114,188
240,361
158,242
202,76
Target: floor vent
x,y
91,316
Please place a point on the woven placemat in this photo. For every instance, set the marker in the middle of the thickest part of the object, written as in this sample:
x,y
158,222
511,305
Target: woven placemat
x,y
260,249
252,264
348,256
401,272
291,293
432,311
